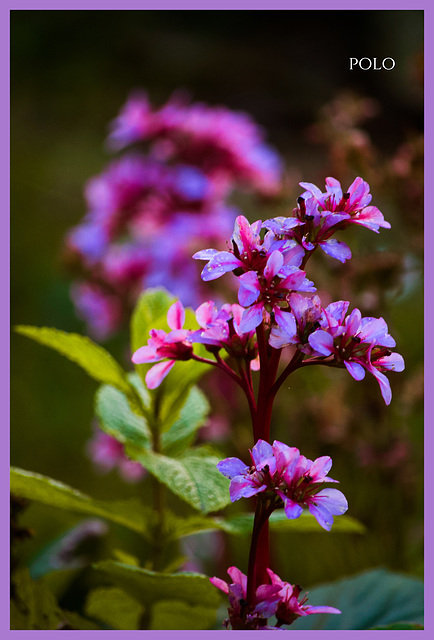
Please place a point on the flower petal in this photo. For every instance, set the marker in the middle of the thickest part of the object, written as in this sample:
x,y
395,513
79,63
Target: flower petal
x,y
231,467
355,370
145,354
336,249
322,342
252,318
157,373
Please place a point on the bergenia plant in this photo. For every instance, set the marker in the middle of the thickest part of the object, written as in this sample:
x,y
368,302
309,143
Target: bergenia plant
x,y
278,313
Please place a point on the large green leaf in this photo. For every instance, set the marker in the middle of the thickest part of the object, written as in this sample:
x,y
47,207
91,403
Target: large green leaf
x,y
34,606
370,599
38,488
95,360
114,607
175,615
191,417
149,587
118,420
193,476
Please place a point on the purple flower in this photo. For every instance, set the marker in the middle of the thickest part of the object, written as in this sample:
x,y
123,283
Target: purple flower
x,y
268,292
133,123
169,347
359,343
351,206
278,598
294,326
290,607
228,145
221,329
243,614
247,251
280,472
310,230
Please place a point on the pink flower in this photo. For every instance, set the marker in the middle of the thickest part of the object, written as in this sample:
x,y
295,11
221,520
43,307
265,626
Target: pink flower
x,y
284,476
352,206
359,343
268,290
278,598
243,614
290,607
221,329
294,326
169,347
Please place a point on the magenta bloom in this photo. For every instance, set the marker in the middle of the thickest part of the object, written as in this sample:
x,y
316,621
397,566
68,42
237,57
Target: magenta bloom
x,y
282,474
359,343
309,229
294,326
290,607
244,615
221,329
249,251
352,206
266,292
169,347
278,598
229,144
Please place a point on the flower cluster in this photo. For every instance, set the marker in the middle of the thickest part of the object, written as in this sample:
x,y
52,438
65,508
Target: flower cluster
x,y
331,336
320,214
272,283
146,199
220,329
284,477
227,144
278,598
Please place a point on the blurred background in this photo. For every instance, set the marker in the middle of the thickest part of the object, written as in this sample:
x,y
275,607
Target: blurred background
x,y
71,71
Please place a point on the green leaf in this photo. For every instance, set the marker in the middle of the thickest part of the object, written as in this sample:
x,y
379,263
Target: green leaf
x,y
76,622
149,587
193,476
174,615
95,360
373,598
192,416
34,606
399,626
115,608
38,488
118,420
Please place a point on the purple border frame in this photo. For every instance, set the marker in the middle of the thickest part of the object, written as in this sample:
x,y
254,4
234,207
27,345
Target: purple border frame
x,y
5,8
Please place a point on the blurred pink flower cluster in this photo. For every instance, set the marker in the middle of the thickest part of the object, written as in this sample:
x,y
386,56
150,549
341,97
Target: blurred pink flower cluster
x,y
160,200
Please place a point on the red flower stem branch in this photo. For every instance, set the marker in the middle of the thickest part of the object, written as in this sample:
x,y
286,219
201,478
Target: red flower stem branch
x,y
269,362
262,514
294,364
220,364
248,388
